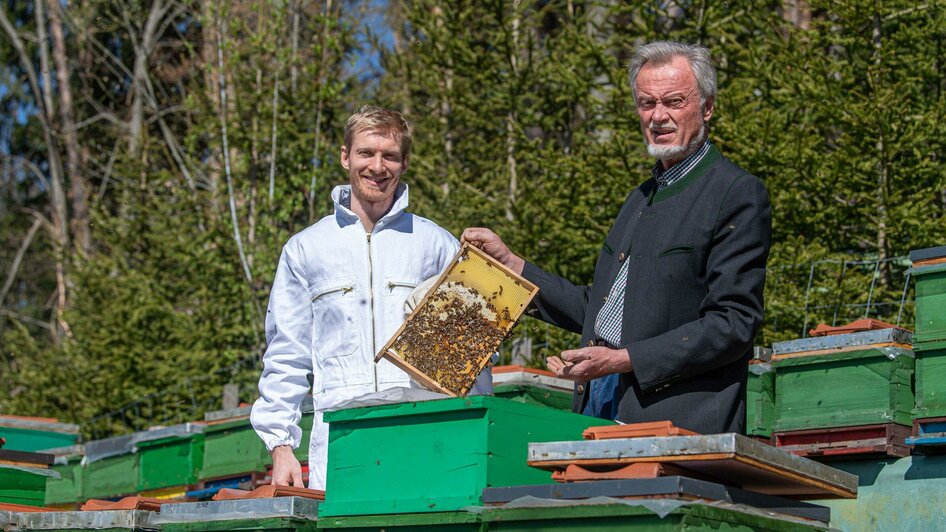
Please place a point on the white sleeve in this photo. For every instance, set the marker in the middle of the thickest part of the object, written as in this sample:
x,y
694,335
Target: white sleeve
x,y
288,359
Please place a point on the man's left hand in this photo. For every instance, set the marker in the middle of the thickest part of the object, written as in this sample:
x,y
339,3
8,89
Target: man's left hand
x,y
587,363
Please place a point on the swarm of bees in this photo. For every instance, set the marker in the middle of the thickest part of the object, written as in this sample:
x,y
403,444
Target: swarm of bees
x,y
452,337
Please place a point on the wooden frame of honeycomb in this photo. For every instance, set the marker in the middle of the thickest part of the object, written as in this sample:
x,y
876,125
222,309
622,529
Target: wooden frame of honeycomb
x,y
450,336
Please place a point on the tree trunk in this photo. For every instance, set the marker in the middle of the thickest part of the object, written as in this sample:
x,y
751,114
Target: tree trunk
x,y
444,119
295,8
511,117
208,54
317,147
78,188
53,160
144,46
883,171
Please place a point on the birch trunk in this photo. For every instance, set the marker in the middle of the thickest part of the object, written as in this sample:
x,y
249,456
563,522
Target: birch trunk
x,y
511,118
54,161
883,172
78,188
317,147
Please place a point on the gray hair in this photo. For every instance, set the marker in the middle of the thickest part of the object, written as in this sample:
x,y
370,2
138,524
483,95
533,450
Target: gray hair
x,y
663,52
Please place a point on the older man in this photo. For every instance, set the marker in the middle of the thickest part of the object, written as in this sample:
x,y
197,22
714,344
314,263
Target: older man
x,y
340,291
668,322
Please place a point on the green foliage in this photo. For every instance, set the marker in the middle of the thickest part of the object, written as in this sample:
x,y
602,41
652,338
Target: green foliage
x,y
523,123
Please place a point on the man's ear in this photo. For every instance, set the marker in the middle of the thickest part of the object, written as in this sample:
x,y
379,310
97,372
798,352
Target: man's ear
x,y
708,108
407,161
343,158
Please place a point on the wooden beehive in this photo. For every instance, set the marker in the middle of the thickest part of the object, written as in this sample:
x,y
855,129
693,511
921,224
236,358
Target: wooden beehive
x,y
450,336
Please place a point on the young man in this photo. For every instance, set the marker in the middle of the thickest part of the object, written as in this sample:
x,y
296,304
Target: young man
x,y
339,294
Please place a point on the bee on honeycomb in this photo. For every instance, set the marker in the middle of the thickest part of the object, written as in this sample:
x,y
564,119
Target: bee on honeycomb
x,y
451,338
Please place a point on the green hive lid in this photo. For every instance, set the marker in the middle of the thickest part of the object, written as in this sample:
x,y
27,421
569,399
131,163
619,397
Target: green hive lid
x,y
925,269
401,400
24,470
841,341
865,352
927,253
119,445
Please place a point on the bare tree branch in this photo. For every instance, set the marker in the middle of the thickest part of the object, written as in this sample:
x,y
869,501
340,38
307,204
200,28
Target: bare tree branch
x,y
108,170
102,115
26,319
272,151
222,82
143,45
44,59
15,266
55,165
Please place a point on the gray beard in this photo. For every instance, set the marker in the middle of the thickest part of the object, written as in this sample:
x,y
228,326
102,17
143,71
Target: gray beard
x,y
676,151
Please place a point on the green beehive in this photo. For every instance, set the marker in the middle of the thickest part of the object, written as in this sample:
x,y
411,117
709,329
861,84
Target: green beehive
x,y
170,457
24,485
930,379
111,468
860,386
232,447
111,477
435,456
67,489
930,302
760,400
36,434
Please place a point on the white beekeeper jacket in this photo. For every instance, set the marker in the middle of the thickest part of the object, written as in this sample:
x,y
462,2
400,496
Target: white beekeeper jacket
x,y
337,298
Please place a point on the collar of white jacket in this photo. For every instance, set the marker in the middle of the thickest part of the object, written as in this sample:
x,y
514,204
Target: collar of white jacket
x,y
341,195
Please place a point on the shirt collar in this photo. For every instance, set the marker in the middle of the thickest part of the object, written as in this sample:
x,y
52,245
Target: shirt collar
x,y
667,177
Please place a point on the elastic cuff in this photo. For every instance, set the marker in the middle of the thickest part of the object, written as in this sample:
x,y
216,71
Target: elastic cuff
x,y
276,442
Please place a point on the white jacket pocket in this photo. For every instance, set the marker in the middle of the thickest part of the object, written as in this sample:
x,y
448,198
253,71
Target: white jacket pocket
x,y
336,338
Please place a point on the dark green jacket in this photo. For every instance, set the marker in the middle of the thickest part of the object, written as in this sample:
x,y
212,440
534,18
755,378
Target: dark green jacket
x,y
693,301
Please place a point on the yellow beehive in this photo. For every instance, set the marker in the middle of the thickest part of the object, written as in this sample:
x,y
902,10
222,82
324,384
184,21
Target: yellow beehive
x,y
450,336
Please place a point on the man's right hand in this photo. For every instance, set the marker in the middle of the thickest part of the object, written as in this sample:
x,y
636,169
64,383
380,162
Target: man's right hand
x,y
287,471
493,246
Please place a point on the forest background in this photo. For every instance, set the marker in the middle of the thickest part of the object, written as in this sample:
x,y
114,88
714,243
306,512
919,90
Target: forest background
x,y
155,155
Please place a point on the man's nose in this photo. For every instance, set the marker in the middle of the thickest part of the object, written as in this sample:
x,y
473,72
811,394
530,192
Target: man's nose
x,y
377,164
660,114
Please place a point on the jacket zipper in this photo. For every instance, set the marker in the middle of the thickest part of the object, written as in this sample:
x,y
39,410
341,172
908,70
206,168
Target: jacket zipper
x,y
371,310
346,289
392,285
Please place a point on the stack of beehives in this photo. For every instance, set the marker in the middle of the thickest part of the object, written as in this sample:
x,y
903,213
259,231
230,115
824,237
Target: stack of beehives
x,y
929,343
844,391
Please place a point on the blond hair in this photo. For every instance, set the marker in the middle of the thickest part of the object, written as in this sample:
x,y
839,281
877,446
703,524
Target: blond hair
x,y
381,120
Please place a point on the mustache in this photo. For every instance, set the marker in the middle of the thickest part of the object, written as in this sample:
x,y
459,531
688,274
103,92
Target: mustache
x,y
668,125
